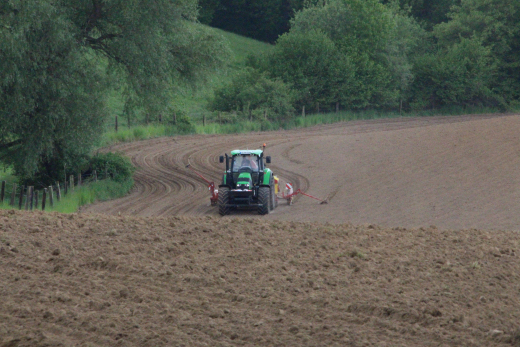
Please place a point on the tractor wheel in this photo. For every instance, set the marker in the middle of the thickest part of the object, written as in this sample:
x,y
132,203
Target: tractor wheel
x,y
264,200
223,200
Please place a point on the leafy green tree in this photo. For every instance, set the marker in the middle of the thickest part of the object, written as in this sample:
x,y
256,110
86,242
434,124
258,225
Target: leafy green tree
x,y
253,93
496,24
458,75
58,59
314,67
366,48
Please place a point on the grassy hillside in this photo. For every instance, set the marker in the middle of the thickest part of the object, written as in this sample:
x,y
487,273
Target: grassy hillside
x,y
192,100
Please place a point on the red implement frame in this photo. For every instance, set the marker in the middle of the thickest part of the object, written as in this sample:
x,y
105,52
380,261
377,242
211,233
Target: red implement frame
x,y
289,197
211,186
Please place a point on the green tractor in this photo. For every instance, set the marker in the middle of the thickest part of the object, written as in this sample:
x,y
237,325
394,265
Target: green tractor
x,y
247,182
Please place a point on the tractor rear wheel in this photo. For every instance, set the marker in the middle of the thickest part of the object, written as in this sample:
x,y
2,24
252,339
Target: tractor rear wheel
x,y
264,197
223,200
271,198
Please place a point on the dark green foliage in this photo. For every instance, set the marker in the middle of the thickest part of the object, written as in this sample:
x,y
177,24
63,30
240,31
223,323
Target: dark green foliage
x,y
496,24
312,64
254,95
60,59
263,20
116,166
355,52
428,12
460,75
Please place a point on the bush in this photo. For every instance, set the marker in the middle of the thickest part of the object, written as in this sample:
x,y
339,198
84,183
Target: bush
x,y
118,168
254,95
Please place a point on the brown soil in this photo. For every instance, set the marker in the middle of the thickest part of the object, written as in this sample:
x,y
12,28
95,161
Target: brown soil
x,y
452,172
94,280
168,271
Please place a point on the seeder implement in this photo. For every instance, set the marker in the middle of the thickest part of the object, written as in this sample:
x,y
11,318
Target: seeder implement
x,y
290,195
211,186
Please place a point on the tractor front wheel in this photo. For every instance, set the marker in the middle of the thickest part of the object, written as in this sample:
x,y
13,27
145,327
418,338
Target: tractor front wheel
x,y
264,197
223,200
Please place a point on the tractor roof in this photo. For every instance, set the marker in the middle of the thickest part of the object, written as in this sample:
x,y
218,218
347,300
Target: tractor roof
x,y
257,152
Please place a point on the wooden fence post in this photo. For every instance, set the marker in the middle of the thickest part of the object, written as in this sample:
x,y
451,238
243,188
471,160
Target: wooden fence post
x,y
71,182
58,191
79,179
116,124
303,111
174,117
44,198
31,198
51,196
337,107
36,200
27,196
13,195
2,193
94,173
20,201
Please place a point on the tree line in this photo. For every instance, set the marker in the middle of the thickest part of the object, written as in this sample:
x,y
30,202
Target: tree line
x,y
386,55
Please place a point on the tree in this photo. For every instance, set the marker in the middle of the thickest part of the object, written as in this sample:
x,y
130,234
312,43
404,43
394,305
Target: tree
x,y
496,24
254,93
58,59
364,44
314,67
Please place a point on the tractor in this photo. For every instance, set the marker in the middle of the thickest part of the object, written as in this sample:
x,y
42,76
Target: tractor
x,y
247,182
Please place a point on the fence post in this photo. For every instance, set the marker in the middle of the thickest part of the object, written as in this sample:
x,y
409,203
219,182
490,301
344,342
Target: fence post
x,y
13,195
160,118
303,111
174,117
58,191
71,182
20,201
31,198
79,179
337,106
44,198
51,196
2,193
94,173
36,200
116,124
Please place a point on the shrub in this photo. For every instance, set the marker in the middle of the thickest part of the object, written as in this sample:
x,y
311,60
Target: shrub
x,y
117,167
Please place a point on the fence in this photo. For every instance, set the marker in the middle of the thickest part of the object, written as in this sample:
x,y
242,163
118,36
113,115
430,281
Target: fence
x,y
28,198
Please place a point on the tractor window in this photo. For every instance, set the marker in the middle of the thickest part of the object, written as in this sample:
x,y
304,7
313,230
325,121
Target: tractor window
x,y
247,161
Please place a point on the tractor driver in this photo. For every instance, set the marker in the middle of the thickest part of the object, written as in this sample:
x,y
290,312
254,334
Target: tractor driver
x,y
250,161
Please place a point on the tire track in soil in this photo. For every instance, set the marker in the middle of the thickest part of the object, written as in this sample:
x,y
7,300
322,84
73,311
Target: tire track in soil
x,y
163,186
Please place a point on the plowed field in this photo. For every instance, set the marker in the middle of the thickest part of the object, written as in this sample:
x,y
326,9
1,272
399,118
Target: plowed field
x,y
418,246
451,172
